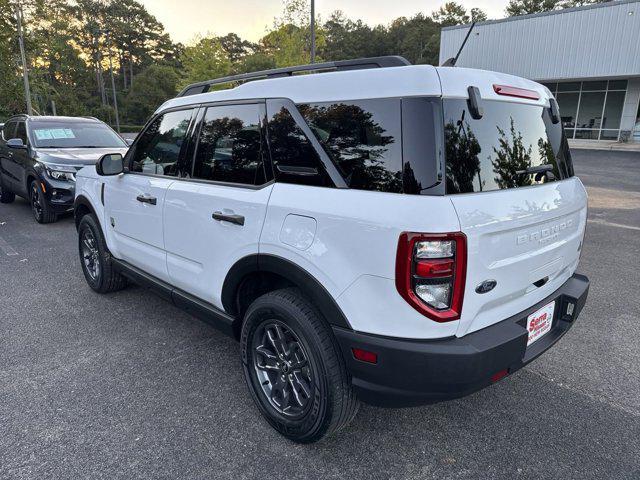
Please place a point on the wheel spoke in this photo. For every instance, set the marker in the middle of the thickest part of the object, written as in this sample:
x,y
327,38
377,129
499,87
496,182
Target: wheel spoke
x,y
302,384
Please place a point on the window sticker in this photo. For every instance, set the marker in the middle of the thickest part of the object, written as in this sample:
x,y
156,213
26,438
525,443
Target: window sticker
x,y
53,133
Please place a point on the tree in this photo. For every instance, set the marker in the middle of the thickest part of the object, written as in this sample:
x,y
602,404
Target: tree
x,y
204,60
478,15
451,13
151,87
526,7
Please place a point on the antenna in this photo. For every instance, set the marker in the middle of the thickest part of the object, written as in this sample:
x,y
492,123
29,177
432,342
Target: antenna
x,y
452,61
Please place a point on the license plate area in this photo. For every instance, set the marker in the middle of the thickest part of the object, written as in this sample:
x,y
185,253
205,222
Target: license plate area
x,y
539,323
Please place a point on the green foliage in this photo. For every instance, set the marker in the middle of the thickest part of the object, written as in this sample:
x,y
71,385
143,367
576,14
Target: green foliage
x,y
151,87
525,7
204,60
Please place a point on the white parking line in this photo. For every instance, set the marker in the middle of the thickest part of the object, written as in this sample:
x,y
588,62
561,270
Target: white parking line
x,y
6,248
611,224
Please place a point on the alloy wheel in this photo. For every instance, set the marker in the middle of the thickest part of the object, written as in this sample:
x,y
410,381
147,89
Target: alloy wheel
x,y
90,254
36,206
282,367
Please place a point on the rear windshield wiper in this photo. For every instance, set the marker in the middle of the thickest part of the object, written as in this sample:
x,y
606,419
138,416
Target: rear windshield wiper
x,y
544,168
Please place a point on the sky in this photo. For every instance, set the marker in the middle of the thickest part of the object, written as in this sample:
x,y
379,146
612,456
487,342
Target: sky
x,y
184,19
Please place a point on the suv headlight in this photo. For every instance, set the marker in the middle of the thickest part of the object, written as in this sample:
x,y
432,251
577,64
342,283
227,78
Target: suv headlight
x,y
61,172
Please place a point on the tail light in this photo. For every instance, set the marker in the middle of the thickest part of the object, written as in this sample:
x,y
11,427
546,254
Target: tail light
x,y
430,273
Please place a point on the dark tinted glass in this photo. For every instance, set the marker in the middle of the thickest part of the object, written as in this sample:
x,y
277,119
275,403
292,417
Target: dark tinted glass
x,y
421,143
594,86
230,145
617,84
50,134
590,114
21,132
487,154
569,87
613,110
568,104
363,138
293,156
158,148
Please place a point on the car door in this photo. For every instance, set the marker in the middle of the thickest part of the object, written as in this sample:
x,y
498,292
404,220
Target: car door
x,y
7,156
215,218
134,201
20,160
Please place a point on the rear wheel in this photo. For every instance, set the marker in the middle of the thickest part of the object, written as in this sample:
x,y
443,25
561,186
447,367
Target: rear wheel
x,y
294,369
6,196
95,258
39,206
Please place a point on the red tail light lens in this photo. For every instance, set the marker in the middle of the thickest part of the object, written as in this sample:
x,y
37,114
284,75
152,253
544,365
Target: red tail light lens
x,y
431,273
516,92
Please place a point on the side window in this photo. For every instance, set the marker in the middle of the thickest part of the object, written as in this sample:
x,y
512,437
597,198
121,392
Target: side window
x,y
9,131
21,132
363,138
293,156
230,145
157,151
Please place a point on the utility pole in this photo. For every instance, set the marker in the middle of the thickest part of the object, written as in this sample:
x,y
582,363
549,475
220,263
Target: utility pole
x,y
25,73
113,83
313,31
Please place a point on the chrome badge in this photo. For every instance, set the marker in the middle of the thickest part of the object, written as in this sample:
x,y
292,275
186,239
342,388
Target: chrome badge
x,y
486,286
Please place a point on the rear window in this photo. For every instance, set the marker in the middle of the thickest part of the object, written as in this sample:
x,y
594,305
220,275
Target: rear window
x,y
488,154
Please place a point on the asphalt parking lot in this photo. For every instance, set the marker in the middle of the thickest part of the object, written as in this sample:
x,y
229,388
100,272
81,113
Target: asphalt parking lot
x,y
127,386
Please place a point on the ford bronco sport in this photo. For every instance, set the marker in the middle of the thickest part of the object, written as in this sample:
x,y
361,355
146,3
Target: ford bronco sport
x,y
374,231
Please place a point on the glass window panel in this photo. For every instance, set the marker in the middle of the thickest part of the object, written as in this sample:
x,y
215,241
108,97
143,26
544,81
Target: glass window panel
x,y
363,139
568,103
609,135
613,110
590,113
594,86
230,146
587,134
617,84
569,132
551,86
569,86
158,148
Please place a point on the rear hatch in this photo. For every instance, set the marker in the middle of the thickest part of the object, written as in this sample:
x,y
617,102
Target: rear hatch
x,y
524,230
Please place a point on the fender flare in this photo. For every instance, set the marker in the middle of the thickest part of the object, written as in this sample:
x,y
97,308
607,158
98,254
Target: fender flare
x,y
309,285
82,200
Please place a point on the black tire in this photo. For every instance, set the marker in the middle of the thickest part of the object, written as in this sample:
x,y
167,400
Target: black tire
x,y
39,206
6,196
94,252
331,403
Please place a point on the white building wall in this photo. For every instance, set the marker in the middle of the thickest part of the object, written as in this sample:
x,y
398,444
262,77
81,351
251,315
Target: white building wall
x,y
597,41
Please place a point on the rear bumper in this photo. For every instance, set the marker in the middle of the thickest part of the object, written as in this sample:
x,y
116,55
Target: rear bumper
x,y
416,372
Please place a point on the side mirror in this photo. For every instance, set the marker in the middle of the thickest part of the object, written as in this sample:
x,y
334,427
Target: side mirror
x,y
16,143
110,164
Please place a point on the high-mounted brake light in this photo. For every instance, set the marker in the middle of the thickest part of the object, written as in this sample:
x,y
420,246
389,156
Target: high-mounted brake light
x,y
431,273
516,92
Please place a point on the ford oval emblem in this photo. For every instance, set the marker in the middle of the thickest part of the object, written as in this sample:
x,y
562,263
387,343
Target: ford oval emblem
x,y
486,286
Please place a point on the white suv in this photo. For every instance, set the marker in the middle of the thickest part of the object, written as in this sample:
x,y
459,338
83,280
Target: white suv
x,y
374,231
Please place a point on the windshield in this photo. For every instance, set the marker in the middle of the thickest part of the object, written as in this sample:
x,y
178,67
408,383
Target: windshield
x,y
497,151
74,135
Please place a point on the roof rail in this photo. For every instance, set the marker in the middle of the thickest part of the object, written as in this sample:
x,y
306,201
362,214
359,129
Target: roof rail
x,y
358,64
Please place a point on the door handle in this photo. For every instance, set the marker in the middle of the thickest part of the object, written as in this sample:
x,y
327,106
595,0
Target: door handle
x,y
147,199
231,218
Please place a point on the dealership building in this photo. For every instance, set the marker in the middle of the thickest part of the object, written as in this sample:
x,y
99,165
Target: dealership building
x,y
589,57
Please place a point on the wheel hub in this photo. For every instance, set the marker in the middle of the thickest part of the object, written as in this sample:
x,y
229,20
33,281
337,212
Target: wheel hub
x,y
282,368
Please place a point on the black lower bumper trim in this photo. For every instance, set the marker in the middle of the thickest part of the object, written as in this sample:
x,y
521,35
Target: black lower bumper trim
x,y
417,372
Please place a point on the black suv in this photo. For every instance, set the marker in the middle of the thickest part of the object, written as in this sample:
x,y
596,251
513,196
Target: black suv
x,y
39,158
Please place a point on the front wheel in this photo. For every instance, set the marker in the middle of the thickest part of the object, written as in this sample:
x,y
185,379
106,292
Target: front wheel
x,y
39,206
294,369
96,259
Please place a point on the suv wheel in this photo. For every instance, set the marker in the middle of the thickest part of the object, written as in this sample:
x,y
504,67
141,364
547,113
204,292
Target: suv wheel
x,y
96,259
294,369
5,195
39,206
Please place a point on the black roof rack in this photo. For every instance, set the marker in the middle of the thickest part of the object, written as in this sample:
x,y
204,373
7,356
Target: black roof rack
x,y
359,64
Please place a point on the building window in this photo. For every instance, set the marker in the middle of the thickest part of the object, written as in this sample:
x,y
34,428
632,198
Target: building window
x,y
591,110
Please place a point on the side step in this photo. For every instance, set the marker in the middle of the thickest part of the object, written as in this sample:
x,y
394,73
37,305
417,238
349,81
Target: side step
x,y
183,300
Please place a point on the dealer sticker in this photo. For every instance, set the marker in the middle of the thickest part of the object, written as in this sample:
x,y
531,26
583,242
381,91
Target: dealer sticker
x,y
539,322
